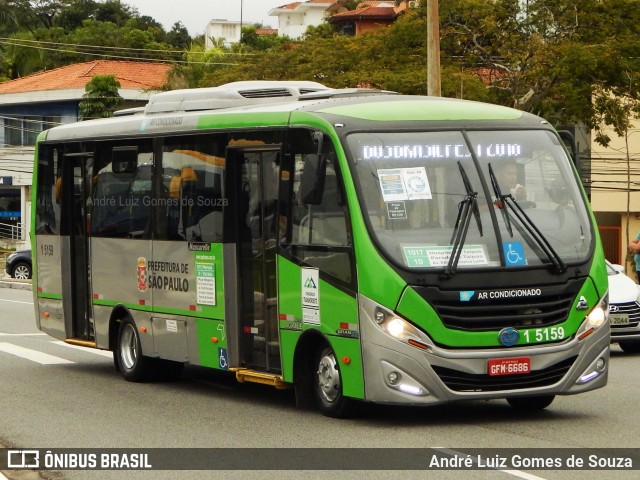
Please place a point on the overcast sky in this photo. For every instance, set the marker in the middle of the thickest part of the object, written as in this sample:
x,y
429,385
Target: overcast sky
x,y
195,14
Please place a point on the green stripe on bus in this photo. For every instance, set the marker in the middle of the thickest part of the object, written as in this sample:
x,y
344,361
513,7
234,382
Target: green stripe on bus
x,y
425,110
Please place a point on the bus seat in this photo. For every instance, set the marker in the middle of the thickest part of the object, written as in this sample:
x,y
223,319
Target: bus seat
x,y
188,174
174,187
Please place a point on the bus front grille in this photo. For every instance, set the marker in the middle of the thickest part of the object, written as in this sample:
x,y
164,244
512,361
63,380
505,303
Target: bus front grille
x,y
551,306
467,382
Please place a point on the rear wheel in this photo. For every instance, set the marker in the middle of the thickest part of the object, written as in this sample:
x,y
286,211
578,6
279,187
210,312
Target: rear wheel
x,y
128,355
328,386
531,403
630,346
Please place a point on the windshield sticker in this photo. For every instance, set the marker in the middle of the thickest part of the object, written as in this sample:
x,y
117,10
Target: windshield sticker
x,y
396,210
392,186
399,184
417,183
514,254
438,256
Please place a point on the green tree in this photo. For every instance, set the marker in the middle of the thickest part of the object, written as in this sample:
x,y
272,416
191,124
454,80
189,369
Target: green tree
x,y
115,12
200,65
7,13
101,97
72,16
178,37
19,57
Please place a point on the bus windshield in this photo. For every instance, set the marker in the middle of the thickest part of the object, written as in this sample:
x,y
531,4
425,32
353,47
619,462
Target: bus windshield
x,y
498,198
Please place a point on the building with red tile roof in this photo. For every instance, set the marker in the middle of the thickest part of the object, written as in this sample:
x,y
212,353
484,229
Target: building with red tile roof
x,y
34,103
136,80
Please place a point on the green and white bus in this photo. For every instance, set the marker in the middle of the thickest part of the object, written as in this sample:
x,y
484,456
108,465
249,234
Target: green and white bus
x,y
351,244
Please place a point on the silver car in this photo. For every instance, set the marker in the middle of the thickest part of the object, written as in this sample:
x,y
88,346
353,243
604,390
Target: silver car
x,y
624,309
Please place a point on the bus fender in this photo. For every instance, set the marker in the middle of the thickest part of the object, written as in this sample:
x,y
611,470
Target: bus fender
x,y
143,324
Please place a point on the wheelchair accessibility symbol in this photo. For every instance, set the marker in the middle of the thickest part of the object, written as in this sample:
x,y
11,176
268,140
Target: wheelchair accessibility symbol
x,y
222,358
514,253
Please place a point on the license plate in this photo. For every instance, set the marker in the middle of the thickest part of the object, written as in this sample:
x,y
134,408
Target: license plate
x,y
619,319
509,366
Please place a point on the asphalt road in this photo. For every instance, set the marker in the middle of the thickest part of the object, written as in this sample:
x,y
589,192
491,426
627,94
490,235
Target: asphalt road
x,y
74,398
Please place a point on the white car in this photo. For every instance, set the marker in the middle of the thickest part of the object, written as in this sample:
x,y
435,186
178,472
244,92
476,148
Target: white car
x,y
624,309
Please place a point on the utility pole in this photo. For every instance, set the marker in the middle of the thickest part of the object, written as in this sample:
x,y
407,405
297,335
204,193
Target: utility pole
x,y
433,49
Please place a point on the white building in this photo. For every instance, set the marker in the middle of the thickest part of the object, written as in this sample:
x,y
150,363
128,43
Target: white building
x,y
295,18
223,32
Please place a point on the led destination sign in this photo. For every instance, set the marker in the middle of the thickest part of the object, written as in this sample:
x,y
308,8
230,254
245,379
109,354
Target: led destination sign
x,y
447,150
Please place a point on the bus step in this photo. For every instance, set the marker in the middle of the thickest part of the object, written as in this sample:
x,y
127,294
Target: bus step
x,y
246,375
80,343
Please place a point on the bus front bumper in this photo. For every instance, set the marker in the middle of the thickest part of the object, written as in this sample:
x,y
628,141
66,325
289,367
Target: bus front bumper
x,y
398,373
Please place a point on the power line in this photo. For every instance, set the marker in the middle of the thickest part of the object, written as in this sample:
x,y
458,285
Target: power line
x,y
120,57
107,47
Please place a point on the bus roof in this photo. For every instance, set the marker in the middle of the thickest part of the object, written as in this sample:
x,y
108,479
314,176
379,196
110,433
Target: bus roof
x,y
190,110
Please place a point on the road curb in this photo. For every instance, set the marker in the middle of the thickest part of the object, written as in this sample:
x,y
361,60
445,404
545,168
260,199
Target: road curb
x,y
17,284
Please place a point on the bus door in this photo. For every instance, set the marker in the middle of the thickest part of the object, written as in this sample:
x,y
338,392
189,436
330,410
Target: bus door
x,y
74,246
253,173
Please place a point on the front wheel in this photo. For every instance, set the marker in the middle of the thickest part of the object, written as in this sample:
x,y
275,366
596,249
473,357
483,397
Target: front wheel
x,y
128,355
531,403
328,386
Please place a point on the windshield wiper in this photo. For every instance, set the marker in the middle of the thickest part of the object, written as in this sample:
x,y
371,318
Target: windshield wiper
x,y
501,199
468,206
535,234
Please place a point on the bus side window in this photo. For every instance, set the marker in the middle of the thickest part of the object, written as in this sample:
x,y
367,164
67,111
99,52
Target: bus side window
x,y
192,196
48,198
121,199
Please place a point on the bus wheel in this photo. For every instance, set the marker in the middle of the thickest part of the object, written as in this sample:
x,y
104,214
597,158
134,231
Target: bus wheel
x,y
531,403
130,362
328,386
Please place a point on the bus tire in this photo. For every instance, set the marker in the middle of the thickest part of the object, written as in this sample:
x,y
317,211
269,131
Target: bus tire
x,y
531,403
133,366
328,386
630,346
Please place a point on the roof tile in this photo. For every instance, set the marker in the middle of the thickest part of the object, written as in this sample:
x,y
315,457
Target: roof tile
x,y
131,75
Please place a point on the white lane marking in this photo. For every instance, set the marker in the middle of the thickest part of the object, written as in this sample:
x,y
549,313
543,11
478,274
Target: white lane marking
x,y
15,301
525,475
21,334
2,477
33,355
95,351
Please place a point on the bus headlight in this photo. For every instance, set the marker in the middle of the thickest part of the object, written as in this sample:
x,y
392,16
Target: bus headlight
x,y
395,327
400,329
595,318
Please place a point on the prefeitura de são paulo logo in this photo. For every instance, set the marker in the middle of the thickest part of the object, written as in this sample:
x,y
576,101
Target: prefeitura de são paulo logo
x,y
142,274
